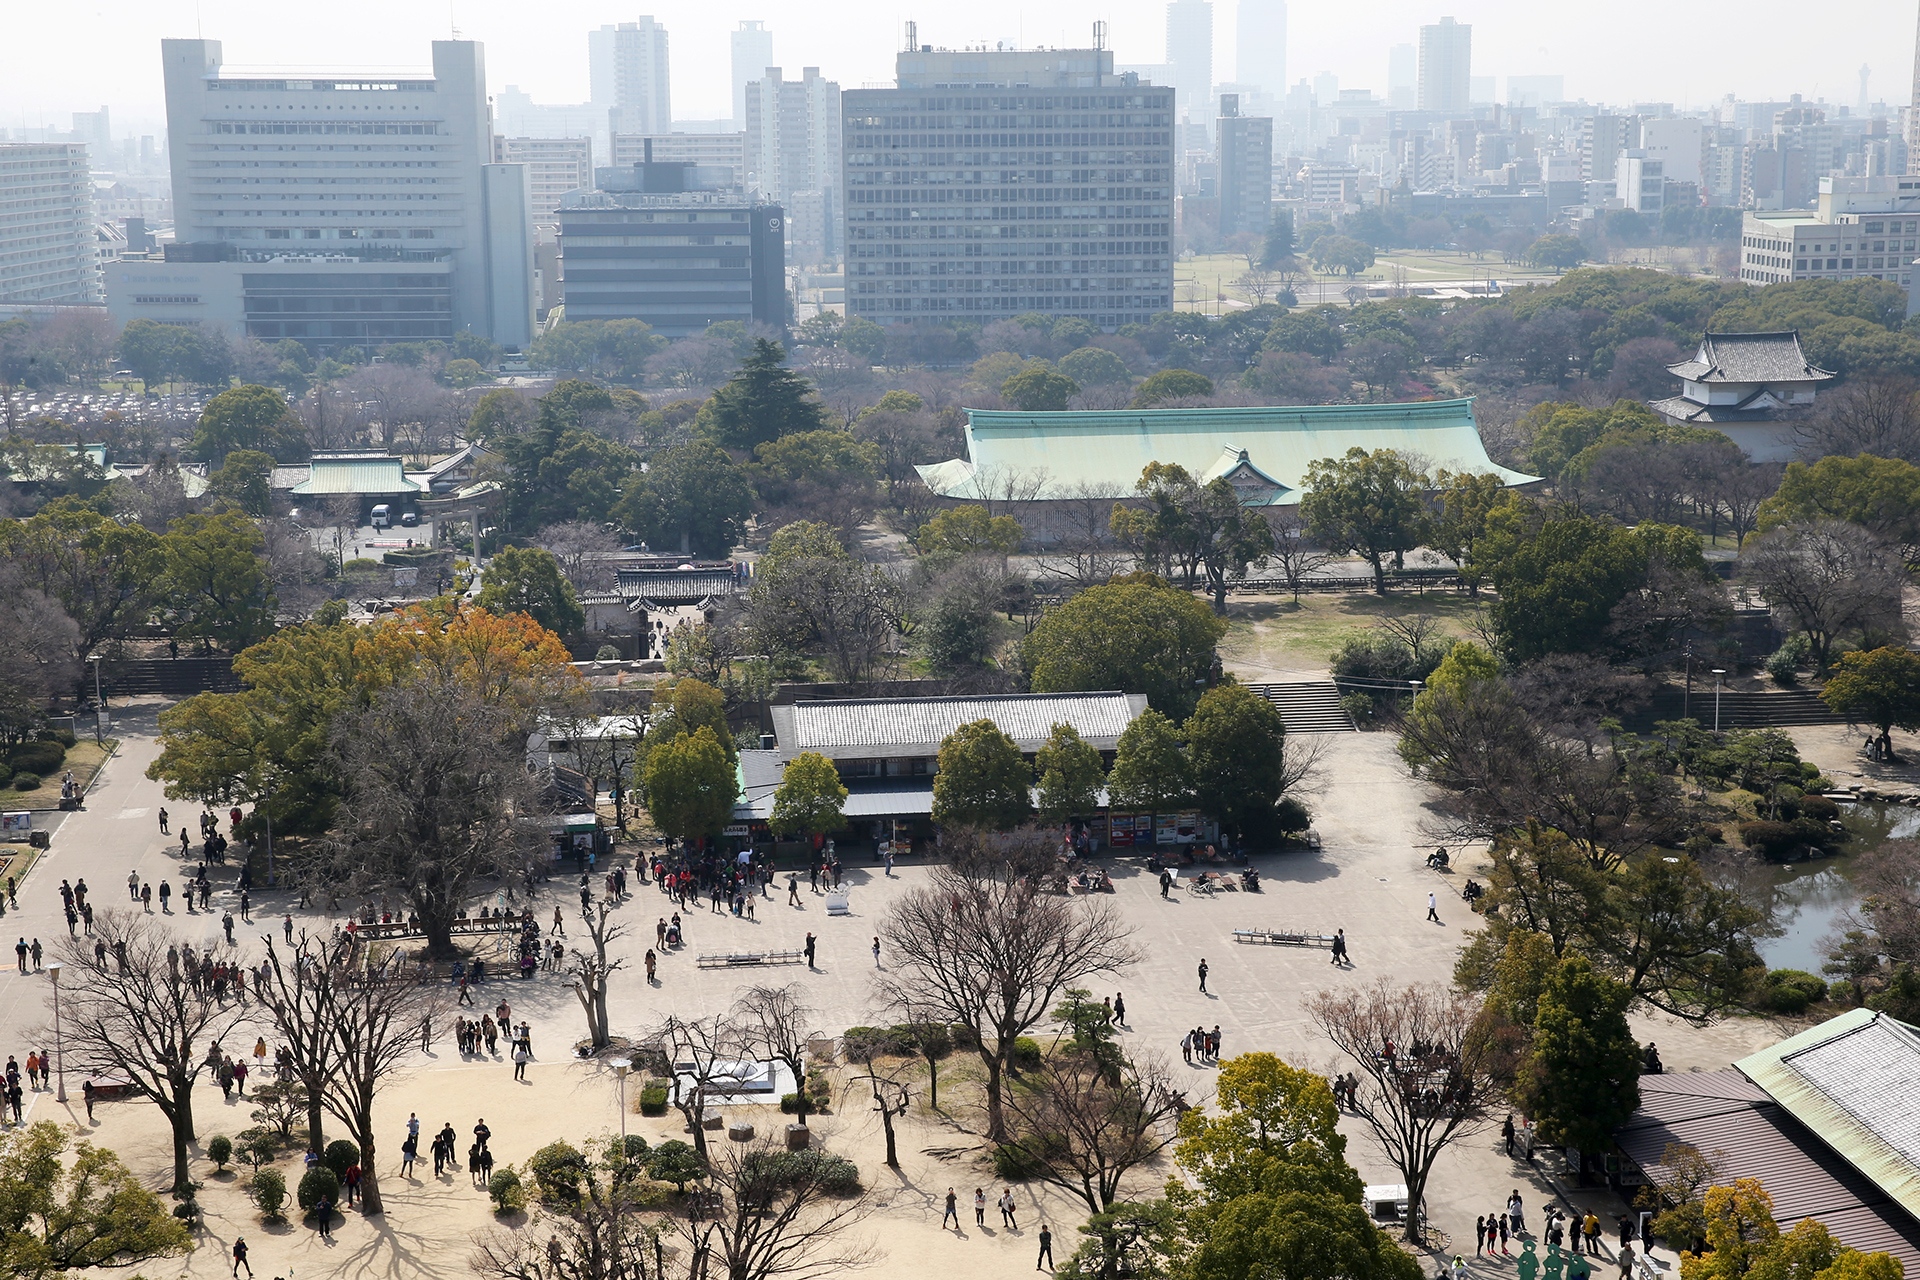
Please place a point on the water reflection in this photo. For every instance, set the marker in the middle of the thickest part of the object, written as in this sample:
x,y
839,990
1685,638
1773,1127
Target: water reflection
x,y
1807,898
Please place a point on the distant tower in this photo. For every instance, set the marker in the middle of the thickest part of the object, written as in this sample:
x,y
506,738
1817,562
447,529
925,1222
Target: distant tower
x,y
627,72
1446,67
752,55
1190,56
1866,104
1260,46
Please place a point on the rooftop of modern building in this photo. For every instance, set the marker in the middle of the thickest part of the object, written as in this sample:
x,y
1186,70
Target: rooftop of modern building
x,y
895,728
1750,358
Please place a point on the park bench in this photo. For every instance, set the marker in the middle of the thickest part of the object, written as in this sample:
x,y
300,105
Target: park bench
x,y
1283,938
1213,882
734,959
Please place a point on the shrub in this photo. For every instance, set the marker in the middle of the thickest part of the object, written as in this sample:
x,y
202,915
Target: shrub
x,y
606,653
1017,1163
1780,841
260,1146
789,1103
963,1036
1784,666
835,1175
6,776
36,757
220,1150
557,1169
1819,808
65,737
318,1183
653,1101
1359,706
676,1162
340,1156
636,1151
1290,816
26,781
361,565
505,1190
267,1188
1790,991
1026,1054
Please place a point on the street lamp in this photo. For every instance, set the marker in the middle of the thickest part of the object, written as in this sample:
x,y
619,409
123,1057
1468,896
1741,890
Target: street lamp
x,y
99,707
620,1068
1717,673
59,1046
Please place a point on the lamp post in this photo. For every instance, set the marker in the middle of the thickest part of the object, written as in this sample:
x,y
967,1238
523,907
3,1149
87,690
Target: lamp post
x,y
99,706
620,1068
59,1046
1717,673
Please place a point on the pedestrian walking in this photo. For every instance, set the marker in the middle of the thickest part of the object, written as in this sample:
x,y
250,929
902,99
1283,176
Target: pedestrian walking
x,y
979,1207
1591,1229
876,953
20,950
1213,1043
1046,1249
239,1242
1506,1132
87,1091
1203,975
650,964
409,1152
36,953
793,889
1433,908
166,893
953,1213
324,1211
1008,1210
146,898
163,822
352,1182
1166,883
810,945
226,923
1119,1009
1626,1262
1340,947
520,1057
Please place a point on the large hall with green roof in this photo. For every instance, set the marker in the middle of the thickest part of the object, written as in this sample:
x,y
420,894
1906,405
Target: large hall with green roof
x,y
1263,452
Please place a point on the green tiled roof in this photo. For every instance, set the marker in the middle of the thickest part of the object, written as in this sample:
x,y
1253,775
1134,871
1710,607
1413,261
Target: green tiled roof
x,y
370,475
1104,451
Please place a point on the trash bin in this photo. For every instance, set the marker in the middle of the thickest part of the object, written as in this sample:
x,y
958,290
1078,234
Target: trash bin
x,y
39,839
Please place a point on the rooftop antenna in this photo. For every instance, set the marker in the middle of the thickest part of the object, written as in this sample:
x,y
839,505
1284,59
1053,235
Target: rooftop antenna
x,y
913,37
1099,36
452,28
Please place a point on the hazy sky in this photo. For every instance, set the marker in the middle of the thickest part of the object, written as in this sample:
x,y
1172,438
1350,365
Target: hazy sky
x,y
56,58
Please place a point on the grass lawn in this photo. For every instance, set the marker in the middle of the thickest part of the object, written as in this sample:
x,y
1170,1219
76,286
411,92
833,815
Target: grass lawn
x,y
1274,639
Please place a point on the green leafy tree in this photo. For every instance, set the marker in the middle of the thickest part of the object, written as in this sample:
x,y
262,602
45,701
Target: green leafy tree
x,y
214,582
1372,503
1882,495
1139,635
1582,1079
462,374
982,780
1313,333
1203,526
1466,504
1301,1232
969,530
61,1213
1038,389
1560,585
1266,1111
1149,767
103,573
763,401
1278,245
250,417
1070,776
530,581
1094,367
693,499
1560,253
1344,254
809,798
1237,751
150,349
1744,1241
244,479
1171,384
808,464
691,785
1880,687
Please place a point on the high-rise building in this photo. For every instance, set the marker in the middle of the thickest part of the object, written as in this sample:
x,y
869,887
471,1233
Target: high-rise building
x,y
1446,67
1246,169
344,208
1639,182
95,129
1679,143
752,55
1913,111
47,250
1190,56
793,156
1403,77
965,196
1260,46
555,166
627,73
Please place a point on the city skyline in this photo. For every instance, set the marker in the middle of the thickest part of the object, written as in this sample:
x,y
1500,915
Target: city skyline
x,y
47,71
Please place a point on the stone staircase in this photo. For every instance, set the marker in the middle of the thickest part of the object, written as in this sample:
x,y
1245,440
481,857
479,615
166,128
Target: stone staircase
x,y
1311,706
1776,708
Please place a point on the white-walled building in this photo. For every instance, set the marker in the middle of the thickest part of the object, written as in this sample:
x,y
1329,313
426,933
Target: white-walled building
x,y
627,71
1640,183
793,146
751,45
1446,67
555,166
338,208
48,247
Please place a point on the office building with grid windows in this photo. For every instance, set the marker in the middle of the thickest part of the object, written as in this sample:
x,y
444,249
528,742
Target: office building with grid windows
x,y
989,182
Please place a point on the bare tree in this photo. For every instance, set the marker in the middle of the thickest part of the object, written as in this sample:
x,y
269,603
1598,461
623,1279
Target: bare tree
x,y
774,1020
333,417
1086,1124
1006,490
39,655
699,1052
437,797
781,1216
1876,415
1827,578
583,550
1256,283
1425,1068
1295,552
591,972
358,1020
396,398
127,1012
602,1233
1076,545
891,1098
992,955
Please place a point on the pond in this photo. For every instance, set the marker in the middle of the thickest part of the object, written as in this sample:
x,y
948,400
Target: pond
x,y
1809,897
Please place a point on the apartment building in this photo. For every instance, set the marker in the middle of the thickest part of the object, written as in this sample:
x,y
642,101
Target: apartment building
x,y
47,238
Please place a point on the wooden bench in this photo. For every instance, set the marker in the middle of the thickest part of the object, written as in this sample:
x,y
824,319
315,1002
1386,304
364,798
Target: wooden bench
x,y
1282,938
735,959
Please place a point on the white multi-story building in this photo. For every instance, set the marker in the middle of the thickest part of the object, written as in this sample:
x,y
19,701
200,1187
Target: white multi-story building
x,y
1679,144
752,49
1865,228
48,246
1190,57
793,146
555,166
627,71
338,208
1640,183
993,182
1446,67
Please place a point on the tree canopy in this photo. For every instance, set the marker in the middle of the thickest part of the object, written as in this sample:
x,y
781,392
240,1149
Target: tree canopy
x,y
1372,503
692,499
691,785
982,781
763,401
809,797
1237,757
249,417
528,580
1136,634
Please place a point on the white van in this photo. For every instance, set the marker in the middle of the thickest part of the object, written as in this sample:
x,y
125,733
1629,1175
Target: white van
x,y
383,516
